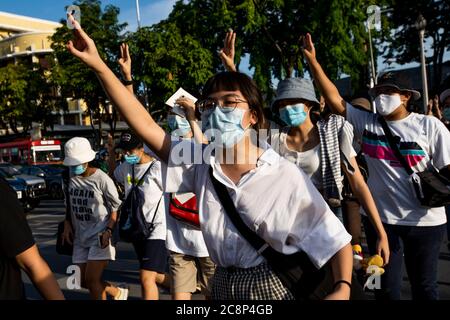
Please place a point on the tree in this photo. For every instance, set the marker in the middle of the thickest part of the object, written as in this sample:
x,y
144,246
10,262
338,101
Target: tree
x,y
41,96
27,96
74,78
404,45
13,85
165,60
270,31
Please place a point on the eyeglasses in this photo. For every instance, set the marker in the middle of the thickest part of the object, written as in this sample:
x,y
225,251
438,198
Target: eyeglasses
x,y
227,103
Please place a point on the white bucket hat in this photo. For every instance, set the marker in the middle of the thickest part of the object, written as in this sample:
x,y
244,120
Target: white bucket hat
x,y
78,151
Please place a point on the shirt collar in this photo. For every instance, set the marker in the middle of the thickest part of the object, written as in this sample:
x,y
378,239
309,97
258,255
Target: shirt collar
x,y
268,156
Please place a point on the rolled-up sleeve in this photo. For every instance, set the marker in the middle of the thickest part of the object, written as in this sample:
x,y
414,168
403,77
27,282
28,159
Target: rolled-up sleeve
x,y
315,229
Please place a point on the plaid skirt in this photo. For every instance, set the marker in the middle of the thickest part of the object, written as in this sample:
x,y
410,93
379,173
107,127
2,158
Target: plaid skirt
x,y
257,283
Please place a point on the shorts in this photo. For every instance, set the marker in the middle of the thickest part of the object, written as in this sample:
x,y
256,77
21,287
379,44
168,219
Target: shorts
x,y
188,271
93,253
152,255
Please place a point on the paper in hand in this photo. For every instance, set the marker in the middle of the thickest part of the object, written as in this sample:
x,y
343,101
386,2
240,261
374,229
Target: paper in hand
x,y
176,108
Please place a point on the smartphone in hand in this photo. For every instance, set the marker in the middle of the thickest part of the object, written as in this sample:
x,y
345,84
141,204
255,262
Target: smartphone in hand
x,y
100,242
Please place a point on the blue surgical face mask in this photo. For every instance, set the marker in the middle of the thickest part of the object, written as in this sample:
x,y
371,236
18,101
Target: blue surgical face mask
x,y
132,159
179,126
446,113
293,115
228,123
78,170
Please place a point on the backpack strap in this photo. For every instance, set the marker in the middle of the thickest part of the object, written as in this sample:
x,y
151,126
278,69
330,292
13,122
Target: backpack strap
x,y
143,176
156,210
142,179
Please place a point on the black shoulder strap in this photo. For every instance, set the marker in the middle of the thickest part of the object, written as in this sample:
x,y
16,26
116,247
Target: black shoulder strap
x,y
255,241
157,207
145,173
391,140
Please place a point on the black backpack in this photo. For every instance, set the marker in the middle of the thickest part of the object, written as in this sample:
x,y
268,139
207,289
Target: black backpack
x,y
132,223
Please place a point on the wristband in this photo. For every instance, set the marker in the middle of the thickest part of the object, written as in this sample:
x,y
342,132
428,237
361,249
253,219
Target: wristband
x,y
128,82
342,281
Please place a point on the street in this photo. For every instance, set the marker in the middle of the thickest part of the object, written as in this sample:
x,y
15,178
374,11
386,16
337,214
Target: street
x,y
44,221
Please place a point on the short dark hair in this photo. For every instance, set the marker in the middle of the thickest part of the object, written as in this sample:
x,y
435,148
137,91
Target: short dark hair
x,y
232,81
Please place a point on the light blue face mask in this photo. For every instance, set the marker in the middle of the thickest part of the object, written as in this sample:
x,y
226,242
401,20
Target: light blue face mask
x,y
446,113
78,170
228,123
293,115
179,126
132,159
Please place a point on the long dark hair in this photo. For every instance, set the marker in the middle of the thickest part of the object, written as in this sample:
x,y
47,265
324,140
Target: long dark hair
x,y
232,81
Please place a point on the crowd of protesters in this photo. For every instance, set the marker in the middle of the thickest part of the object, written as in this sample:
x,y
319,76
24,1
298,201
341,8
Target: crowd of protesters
x,y
308,179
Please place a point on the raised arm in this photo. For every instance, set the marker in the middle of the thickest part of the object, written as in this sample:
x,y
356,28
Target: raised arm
x,y
228,51
125,66
83,47
189,108
326,87
364,196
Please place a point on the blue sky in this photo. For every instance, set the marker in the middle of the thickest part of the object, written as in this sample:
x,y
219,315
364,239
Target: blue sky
x,y
152,11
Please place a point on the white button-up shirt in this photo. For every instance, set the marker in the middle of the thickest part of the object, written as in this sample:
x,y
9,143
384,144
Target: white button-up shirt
x,y
276,200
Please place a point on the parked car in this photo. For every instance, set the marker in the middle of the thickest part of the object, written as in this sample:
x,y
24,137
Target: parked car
x,y
52,176
36,188
21,188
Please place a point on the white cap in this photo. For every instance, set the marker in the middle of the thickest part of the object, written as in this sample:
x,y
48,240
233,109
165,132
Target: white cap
x,y
78,151
444,95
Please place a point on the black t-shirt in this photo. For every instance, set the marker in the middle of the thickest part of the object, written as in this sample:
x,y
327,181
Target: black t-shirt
x,y
15,238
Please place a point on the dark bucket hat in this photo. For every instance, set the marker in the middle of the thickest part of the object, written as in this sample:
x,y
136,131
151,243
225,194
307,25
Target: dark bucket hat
x,y
295,88
398,81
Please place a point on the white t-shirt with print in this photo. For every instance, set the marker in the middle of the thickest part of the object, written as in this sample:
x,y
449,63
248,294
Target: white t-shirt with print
x,y
92,199
151,188
276,200
424,141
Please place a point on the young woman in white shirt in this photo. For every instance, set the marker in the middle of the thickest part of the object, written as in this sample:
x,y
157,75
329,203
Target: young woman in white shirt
x,y
272,195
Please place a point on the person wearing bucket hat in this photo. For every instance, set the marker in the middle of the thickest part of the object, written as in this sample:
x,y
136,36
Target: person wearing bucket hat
x,y
94,201
234,105
415,232
151,252
321,149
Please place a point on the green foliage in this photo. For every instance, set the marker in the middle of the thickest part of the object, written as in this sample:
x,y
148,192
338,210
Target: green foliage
x,y
73,77
165,60
13,84
270,32
404,46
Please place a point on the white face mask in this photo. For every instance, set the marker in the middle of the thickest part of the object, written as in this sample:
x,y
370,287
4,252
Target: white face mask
x,y
386,104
